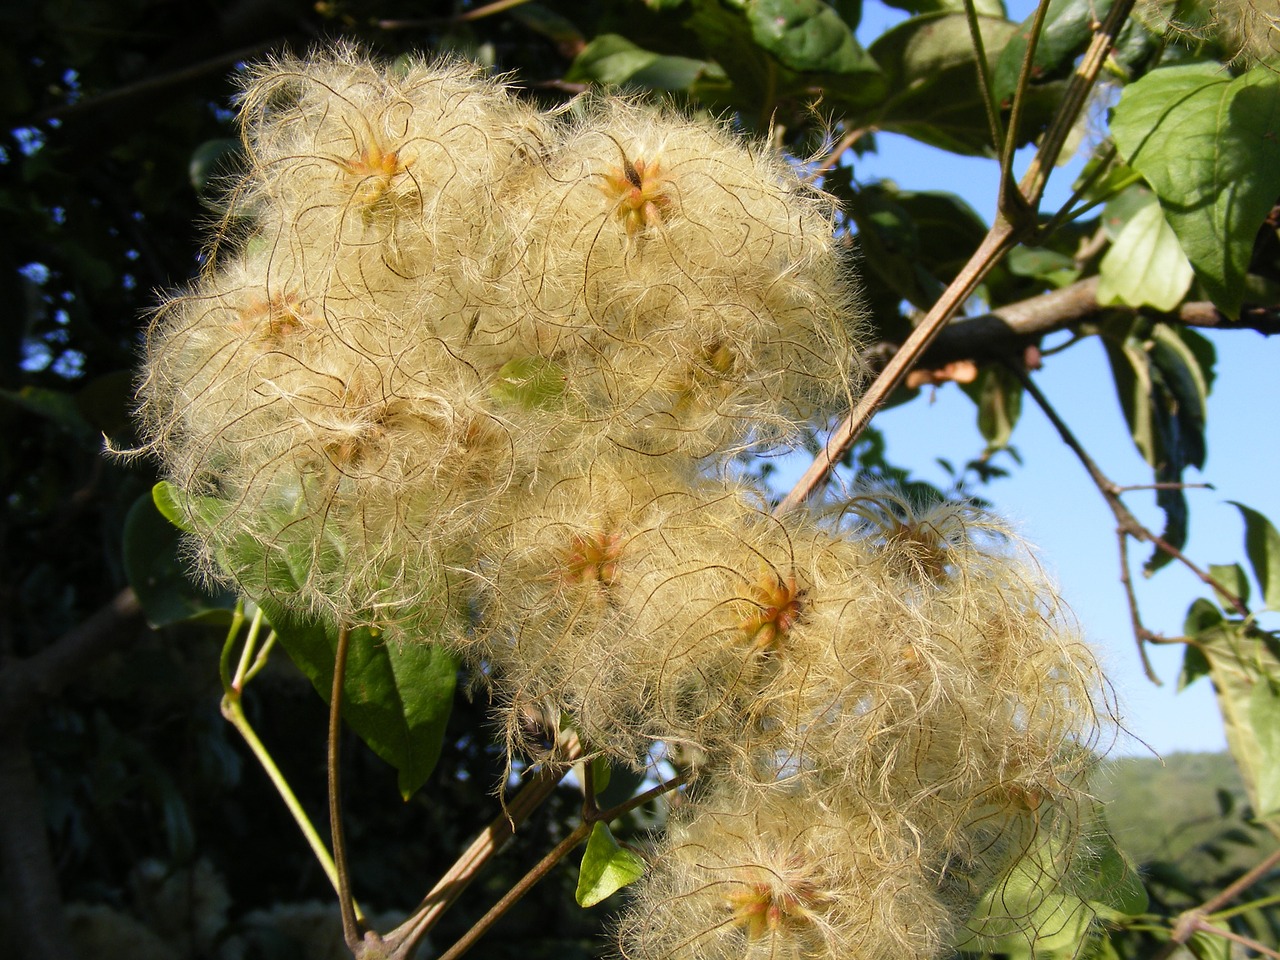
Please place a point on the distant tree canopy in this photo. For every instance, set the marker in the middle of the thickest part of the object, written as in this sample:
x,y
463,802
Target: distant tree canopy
x,y
129,814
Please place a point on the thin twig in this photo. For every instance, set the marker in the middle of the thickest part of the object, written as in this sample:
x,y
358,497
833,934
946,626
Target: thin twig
x,y
467,867
350,928
1013,203
995,128
1127,525
1141,634
1242,883
1191,921
1082,80
997,241
547,863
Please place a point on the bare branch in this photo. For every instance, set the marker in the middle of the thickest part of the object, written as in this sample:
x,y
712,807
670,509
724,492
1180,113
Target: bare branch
x,y
1009,329
25,683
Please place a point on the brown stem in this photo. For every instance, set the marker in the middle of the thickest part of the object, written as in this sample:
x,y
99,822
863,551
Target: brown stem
x,y
350,928
997,241
835,153
1082,81
467,867
1126,523
1012,202
545,865
1141,634
1191,921
1009,329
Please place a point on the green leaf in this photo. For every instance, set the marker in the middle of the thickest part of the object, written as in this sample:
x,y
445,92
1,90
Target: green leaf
x,y
1068,28
155,569
166,498
1209,145
1232,577
1194,666
806,35
930,68
1246,680
998,394
529,382
1048,900
1262,546
781,48
614,60
396,697
1162,379
1145,266
913,242
606,867
1122,208
1110,881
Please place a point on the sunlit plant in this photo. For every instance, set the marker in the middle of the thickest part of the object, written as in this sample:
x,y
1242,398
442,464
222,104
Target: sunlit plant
x,y
467,376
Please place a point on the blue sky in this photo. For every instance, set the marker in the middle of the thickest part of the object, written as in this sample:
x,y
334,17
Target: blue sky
x,y
1052,501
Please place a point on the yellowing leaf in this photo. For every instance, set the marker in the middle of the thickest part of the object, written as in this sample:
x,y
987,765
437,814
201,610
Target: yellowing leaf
x,y
1145,267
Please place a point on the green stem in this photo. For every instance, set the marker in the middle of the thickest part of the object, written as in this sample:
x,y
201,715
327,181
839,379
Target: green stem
x,y
1012,200
984,76
233,710
1246,907
250,642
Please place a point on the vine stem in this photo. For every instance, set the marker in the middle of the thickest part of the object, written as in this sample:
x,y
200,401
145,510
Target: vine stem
x,y
1197,920
591,815
350,927
233,711
232,708
997,241
404,938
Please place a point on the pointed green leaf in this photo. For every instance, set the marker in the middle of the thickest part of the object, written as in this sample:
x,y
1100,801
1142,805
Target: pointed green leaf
x,y
186,513
614,60
805,35
1262,546
153,562
397,697
781,48
985,8
1145,266
167,500
1162,381
1048,900
1246,680
998,394
1209,145
929,65
1231,577
1194,666
606,867
1207,945
1264,717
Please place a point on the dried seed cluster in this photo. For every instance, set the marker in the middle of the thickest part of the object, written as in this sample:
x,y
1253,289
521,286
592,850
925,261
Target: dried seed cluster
x,y
474,374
